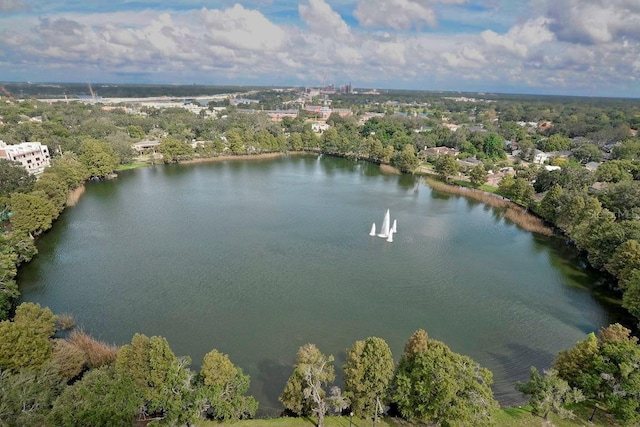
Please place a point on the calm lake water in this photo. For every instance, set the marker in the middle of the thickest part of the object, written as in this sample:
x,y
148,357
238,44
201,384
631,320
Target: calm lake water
x,y
256,258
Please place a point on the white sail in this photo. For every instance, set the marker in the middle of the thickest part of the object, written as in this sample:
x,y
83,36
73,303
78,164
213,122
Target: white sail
x,y
394,228
384,230
373,229
390,237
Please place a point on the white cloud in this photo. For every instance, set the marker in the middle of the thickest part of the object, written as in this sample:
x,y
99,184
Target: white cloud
x,y
241,28
397,14
520,37
239,43
8,6
595,21
323,20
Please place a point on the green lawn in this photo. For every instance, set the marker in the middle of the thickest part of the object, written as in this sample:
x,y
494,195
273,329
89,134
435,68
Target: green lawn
x,y
483,187
132,166
505,417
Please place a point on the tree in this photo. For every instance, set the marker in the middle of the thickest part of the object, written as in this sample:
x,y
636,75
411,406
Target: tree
x,y
70,170
26,397
588,153
173,149
434,384
631,296
304,393
548,207
100,398
33,213
605,368
555,142
235,143
368,373
614,171
161,380
8,286
549,393
446,166
478,175
98,157
14,178
224,387
25,341
516,189
407,160
494,146
54,187
624,261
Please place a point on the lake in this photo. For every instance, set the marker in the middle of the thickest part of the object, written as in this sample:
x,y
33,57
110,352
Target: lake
x,y
258,257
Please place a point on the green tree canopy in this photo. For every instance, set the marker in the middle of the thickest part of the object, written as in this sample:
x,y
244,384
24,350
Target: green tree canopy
x,y
605,368
549,393
407,160
446,166
173,149
98,157
33,213
14,178
224,388
100,398
161,380
304,393
25,342
434,384
478,175
368,373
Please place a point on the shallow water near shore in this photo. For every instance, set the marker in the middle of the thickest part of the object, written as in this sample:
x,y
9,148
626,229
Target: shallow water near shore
x,y
258,257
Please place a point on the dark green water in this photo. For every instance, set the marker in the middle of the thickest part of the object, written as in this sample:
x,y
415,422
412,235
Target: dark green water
x,y
256,258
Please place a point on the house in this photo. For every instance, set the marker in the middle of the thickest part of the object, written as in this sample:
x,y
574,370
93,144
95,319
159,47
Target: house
x,y
441,150
592,166
33,156
318,127
540,157
143,146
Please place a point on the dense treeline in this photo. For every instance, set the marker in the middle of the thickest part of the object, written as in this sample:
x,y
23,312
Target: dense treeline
x,y
49,380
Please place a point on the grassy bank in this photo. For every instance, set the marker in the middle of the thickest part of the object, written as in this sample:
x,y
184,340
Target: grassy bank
x,y
505,417
511,211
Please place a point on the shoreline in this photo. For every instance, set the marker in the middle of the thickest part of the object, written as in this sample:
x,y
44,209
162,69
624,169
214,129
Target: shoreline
x,y
245,157
510,210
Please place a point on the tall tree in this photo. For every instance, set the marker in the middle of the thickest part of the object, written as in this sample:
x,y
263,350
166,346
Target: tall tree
x,y
161,380
478,175
304,393
224,387
100,398
173,149
98,157
434,384
368,373
549,393
14,178
25,341
26,397
407,160
33,213
446,166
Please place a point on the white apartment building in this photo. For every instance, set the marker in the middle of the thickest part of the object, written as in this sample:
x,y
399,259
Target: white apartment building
x,y
33,156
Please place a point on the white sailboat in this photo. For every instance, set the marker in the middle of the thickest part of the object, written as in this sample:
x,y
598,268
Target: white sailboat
x,y
384,230
394,228
390,236
373,230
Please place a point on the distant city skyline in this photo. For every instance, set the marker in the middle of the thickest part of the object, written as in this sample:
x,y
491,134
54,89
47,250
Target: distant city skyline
x,y
555,47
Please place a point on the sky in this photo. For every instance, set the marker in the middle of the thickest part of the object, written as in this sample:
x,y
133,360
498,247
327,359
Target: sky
x,y
561,47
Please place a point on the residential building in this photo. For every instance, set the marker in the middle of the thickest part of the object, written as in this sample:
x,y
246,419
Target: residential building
x,y
33,156
539,157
